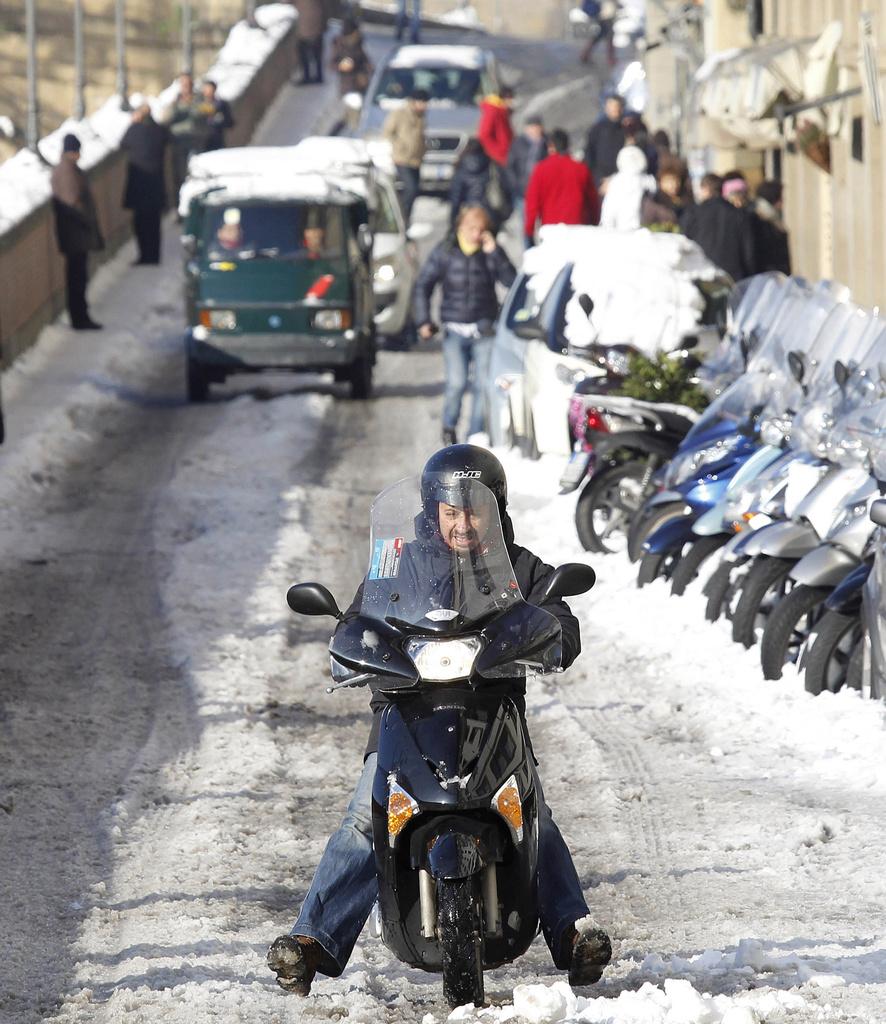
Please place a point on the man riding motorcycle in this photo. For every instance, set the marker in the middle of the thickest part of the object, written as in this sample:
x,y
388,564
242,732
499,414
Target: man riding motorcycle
x,y
344,887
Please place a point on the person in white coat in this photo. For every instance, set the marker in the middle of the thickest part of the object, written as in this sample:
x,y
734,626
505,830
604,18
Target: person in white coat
x,y
625,190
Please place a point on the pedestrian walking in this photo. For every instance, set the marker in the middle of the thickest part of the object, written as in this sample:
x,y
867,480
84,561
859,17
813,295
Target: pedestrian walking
x,y
145,194
724,232
602,14
529,148
605,141
560,191
773,244
403,19
182,129
349,58
467,266
479,181
626,191
637,134
77,230
309,30
735,190
404,128
212,118
494,130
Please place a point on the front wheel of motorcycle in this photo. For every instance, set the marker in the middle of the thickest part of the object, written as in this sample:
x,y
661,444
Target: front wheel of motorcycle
x,y
607,505
646,522
458,923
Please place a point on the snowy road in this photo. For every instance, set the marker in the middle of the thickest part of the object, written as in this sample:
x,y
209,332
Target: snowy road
x,y
171,764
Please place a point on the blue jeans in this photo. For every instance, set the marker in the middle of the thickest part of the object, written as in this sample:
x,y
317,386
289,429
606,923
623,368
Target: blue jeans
x,y
402,19
460,356
344,886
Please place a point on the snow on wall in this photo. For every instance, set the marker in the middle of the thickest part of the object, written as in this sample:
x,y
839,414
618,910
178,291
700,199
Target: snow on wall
x,y
24,178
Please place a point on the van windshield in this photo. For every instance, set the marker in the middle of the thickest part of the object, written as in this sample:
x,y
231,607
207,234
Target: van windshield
x,y
273,231
451,86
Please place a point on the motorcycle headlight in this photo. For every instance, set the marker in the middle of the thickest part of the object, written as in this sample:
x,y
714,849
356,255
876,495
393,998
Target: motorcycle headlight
x,y
774,430
443,661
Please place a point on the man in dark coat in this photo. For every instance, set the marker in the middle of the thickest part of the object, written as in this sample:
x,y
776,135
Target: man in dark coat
x,y
725,233
462,538
605,141
349,58
476,182
145,144
77,230
309,29
213,118
467,266
773,248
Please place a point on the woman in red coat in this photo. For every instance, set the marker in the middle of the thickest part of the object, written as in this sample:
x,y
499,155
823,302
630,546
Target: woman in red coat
x,y
561,190
494,131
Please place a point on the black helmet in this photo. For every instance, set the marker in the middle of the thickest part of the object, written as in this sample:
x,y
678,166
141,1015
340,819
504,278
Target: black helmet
x,y
449,472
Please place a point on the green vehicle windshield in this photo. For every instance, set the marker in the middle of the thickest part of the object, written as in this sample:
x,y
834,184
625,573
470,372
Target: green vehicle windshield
x,y
290,231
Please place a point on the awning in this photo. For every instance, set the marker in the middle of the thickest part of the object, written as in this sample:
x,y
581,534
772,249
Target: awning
x,y
740,89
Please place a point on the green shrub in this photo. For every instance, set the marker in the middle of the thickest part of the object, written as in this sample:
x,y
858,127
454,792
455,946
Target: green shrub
x,y
662,379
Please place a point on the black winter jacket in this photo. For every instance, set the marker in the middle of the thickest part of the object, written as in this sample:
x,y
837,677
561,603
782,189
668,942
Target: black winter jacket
x,y
532,576
523,157
605,141
725,234
468,284
145,145
471,185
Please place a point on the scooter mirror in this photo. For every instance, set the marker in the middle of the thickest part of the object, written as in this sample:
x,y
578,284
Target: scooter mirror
x,y
690,342
312,599
878,512
841,374
797,366
569,580
586,303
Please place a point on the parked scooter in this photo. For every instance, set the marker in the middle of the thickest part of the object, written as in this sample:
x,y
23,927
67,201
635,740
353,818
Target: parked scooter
x,y
873,614
834,656
454,809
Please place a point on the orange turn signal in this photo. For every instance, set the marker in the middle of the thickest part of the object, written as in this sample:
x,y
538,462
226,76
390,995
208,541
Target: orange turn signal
x,y
401,810
507,802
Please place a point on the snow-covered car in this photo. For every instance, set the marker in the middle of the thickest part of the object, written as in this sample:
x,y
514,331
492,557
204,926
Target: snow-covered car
x,y
455,77
650,290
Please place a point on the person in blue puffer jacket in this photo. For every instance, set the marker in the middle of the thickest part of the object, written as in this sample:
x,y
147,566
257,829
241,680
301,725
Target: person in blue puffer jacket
x,y
467,265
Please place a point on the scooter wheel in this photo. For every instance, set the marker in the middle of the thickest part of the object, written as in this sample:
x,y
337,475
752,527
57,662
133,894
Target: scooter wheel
x,y
716,590
689,565
788,628
651,567
762,588
460,944
607,505
827,666
646,522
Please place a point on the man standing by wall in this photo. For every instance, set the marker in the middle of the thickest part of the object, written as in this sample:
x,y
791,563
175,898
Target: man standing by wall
x,y
404,128
181,128
309,31
145,145
213,118
77,230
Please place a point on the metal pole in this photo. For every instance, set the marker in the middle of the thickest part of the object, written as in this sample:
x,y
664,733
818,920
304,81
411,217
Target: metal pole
x,y
120,31
187,39
33,127
250,13
79,66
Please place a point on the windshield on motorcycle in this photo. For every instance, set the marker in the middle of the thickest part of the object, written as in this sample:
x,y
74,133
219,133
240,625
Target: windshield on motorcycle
x,y
438,558
859,343
860,438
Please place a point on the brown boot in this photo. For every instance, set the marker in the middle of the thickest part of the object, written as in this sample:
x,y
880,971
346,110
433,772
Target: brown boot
x,y
591,952
295,959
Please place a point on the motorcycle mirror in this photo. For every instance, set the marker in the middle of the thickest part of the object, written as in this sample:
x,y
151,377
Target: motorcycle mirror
x,y
841,374
586,303
312,599
878,512
690,342
797,365
569,580
364,239
529,330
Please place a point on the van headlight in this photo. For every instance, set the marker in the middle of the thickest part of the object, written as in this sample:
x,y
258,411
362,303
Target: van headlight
x,y
443,661
332,319
218,319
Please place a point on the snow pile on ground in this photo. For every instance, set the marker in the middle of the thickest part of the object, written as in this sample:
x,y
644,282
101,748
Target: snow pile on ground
x,y
24,178
609,266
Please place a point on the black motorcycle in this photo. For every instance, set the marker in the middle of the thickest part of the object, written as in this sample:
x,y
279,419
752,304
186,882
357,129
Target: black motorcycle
x,y
454,807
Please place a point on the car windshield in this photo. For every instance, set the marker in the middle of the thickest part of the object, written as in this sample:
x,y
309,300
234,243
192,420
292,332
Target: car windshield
x,y
437,561
273,231
452,86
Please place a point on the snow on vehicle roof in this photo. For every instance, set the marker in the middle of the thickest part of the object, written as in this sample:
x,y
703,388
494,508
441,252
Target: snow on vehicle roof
x,y
318,169
437,56
643,284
